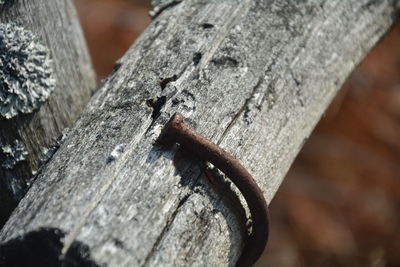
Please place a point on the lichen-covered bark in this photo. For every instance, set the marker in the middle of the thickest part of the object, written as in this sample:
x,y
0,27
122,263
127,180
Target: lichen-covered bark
x,y
26,73
46,79
253,76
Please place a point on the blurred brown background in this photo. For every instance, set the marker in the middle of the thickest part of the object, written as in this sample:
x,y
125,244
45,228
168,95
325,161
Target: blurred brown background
x,y
340,202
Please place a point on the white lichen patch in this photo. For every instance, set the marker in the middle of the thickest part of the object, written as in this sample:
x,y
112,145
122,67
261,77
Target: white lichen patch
x,y
13,154
117,151
26,73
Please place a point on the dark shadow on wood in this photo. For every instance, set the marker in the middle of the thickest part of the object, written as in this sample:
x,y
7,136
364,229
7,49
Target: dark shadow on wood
x,y
43,248
202,178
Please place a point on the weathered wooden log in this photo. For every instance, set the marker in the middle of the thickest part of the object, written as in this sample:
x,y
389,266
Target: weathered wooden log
x,y
252,76
46,79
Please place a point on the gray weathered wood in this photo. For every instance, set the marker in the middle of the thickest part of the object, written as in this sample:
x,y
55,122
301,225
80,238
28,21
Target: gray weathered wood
x,y
28,130
252,76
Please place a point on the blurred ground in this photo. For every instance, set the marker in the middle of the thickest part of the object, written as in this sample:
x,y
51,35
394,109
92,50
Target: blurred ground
x,y
110,28
340,202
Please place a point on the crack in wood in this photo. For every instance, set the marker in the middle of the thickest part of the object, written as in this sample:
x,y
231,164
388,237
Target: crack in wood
x,y
70,237
242,9
166,228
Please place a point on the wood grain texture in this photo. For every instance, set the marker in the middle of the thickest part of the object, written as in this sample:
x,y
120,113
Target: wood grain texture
x,y
56,27
252,76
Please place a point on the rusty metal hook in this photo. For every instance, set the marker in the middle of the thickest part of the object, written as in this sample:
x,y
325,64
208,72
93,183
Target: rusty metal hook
x,y
176,131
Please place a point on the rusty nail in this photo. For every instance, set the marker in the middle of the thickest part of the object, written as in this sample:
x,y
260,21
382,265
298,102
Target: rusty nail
x,y
176,131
